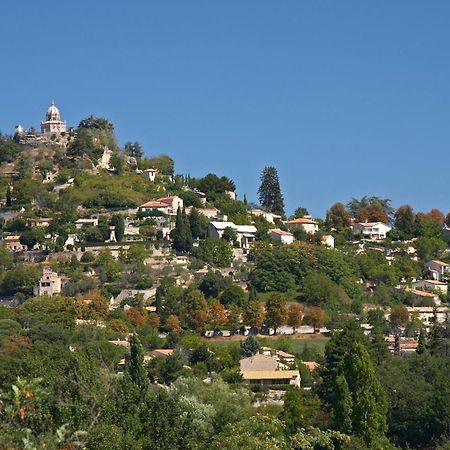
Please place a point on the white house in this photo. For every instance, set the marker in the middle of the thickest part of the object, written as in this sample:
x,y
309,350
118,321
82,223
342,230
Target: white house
x,y
439,269
211,213
261,369
371,230
270,217
426,313
328,240
285,237
150,174
90,222
421,296
245,233
303,223
49,284
13,244
433,285
166,205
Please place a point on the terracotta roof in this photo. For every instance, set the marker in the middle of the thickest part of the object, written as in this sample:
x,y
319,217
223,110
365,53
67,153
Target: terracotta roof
x,y
281,232
153,204
162,352
301,220
370,224
311,365
441,263
284,354
420,293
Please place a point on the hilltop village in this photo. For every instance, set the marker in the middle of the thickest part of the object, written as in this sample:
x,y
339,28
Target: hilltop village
x,y
120,275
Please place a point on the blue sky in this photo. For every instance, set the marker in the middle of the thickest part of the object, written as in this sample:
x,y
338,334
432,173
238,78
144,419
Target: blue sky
x,y
345,98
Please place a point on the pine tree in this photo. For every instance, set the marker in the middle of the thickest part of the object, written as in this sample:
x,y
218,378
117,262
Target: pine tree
x,y
136,367
270,196
245,199
342,407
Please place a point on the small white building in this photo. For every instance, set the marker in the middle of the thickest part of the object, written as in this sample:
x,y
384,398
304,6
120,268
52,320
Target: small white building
x,y
245,233
270,217
426,313
49,284
89,222
328,240
439,269
421,296
166,205
13,243
150,174
305,223
371,230
285,237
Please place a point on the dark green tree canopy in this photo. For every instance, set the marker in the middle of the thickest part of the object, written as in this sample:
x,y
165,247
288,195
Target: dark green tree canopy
x,y
270,196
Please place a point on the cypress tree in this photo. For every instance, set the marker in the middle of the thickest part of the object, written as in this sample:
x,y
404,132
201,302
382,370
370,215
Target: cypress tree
x,y
422,342
397,344
270,196
379,348
342,408
293,414
369,400
9,196
136,367
187,232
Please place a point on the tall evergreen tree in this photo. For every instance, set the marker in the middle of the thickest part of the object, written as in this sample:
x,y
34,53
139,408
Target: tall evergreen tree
x,y
342,408
293,414
270,196
181,235
9,199
118,222
379,348
421,347
369,400
136,367
337,347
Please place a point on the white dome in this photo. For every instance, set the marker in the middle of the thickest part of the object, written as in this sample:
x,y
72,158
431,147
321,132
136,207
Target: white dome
x,y
53,113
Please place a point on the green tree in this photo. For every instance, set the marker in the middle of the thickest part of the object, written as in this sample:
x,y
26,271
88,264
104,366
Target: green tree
x,y
342,408
421,347
337,217
217,252
270,196
134,149
337,347
405,220
276,310
20,279
181,234
198,224
369,400
233,295
135,364
249,346
295,412
118,222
